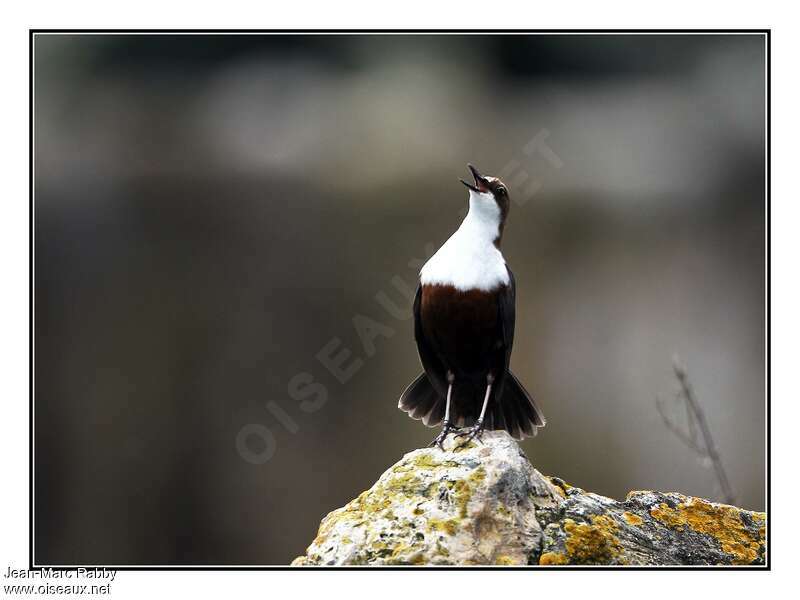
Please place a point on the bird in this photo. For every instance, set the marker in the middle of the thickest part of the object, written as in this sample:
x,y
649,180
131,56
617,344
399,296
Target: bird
x,y
464,315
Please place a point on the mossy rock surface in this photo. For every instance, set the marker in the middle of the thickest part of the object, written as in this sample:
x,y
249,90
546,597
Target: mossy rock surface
x,y
486,505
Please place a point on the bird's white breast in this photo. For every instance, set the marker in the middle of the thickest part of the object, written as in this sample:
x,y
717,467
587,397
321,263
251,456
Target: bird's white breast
x,y
469,259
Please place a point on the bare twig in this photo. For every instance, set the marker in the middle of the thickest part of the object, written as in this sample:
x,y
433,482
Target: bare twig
x,y
690,419
688,439
696,419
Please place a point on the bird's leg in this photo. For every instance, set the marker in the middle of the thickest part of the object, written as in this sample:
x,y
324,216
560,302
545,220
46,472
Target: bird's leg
x,y
476,430
447,427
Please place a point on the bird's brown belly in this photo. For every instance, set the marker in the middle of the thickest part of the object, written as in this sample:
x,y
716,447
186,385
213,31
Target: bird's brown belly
x,y
463,327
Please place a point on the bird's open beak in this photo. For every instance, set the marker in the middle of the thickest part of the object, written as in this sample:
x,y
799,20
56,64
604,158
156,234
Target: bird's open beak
x,y
481,185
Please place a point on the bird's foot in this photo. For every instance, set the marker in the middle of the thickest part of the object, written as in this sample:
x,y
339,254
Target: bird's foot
x,y
473,433
447,428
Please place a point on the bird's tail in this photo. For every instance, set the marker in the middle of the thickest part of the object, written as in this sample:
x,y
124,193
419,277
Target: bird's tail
x,y
421,401
514,411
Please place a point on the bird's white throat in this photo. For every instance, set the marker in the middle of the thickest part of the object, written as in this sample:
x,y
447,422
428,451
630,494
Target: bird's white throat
x,y
469,259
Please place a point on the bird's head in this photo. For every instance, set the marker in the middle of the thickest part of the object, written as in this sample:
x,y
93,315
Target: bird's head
x,y
488,197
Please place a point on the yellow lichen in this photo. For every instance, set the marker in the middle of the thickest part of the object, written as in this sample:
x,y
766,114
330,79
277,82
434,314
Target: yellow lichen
x,y
560,485
505,560
594,543
632,519
377,501
401,486
720,521
371,501
403,483
449,526
553,558
425,461
477,475
468,446
398,551
464,488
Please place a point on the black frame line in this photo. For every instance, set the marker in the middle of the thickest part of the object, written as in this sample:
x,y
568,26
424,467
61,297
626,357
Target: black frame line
x,y
768,177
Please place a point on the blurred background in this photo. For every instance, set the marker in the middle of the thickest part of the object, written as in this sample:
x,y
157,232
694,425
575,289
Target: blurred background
x,y
213,212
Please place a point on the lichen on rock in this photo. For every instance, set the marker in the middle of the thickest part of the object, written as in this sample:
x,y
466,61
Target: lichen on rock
x,y
485,504
471,505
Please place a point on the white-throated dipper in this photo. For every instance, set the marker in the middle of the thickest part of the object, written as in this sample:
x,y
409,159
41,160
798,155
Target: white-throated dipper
x,y
464,328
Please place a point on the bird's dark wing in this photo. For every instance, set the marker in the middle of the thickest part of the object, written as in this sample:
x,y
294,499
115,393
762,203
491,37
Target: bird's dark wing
x,y
434,369
424,398
507,316
516,411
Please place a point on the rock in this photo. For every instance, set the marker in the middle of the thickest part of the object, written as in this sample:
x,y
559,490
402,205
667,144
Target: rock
x,y
649,528
486,504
